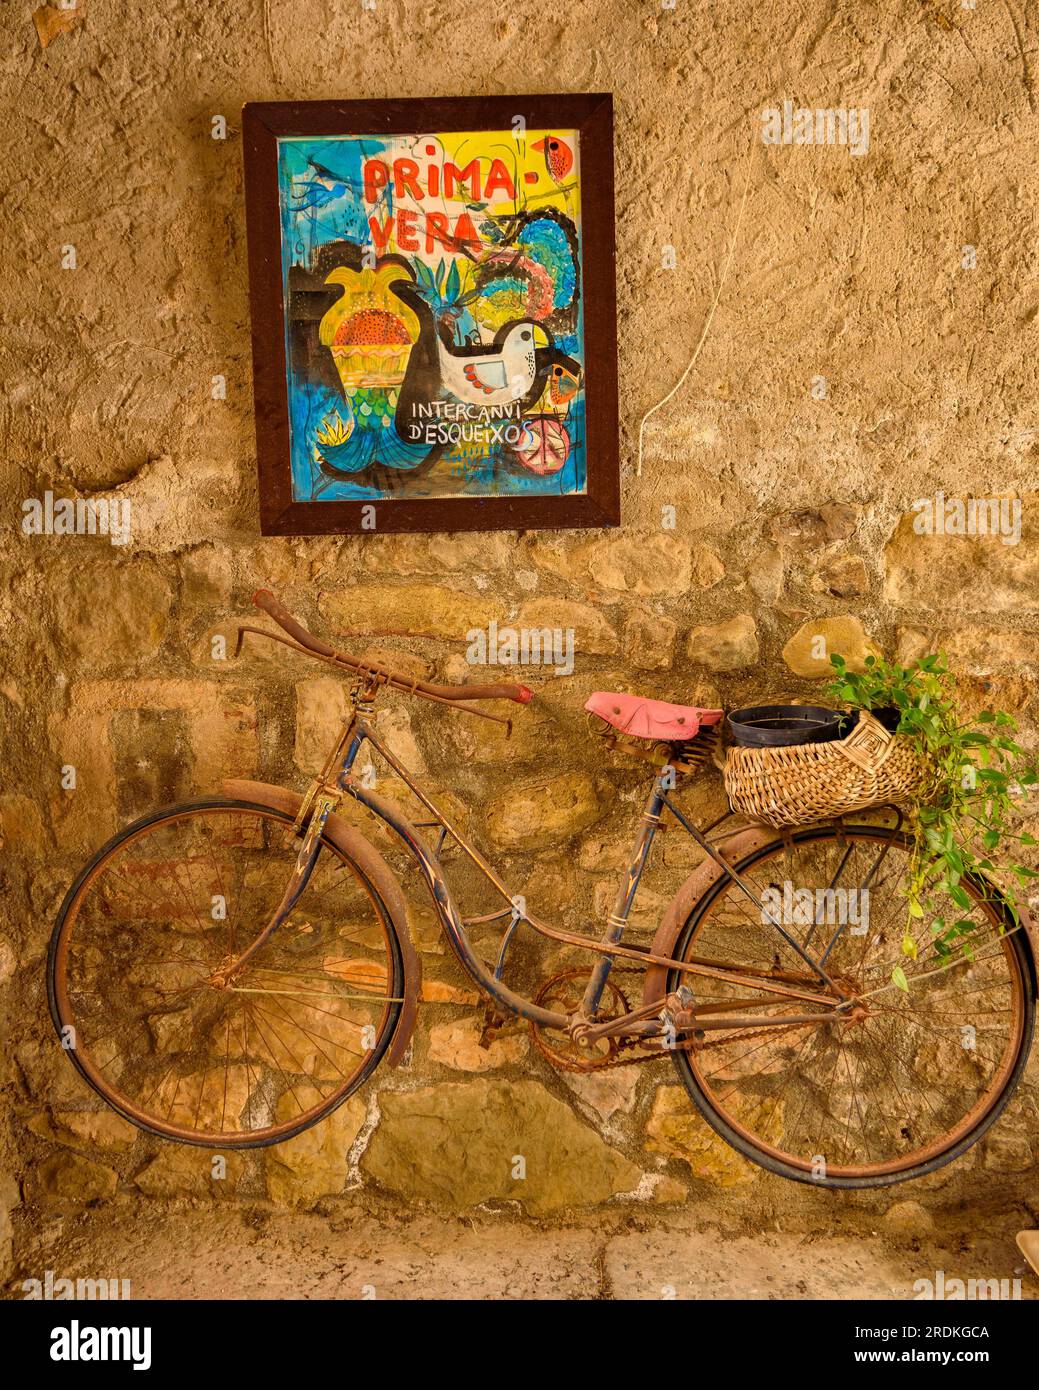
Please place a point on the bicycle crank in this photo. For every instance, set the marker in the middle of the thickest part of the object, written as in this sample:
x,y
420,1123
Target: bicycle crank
x,y
563,993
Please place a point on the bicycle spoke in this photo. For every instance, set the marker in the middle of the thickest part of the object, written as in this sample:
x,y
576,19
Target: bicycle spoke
x,y
309,1034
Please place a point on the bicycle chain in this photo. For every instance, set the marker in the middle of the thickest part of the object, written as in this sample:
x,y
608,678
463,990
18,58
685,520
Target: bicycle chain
x,y
699,1046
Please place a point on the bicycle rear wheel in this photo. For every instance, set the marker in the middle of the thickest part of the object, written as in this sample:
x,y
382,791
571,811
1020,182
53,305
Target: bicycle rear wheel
x,y
910,1079
139,1000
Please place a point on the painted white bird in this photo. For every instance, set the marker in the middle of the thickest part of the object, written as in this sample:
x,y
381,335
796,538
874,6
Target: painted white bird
x,y
497,374
514,367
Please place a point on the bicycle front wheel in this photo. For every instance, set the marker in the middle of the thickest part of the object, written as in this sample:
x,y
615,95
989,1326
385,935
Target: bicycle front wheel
x,y
910,1078
138,990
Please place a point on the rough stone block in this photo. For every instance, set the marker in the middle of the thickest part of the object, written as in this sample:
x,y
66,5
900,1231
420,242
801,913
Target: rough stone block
x,y
541,814
725,646
809,650
459,1145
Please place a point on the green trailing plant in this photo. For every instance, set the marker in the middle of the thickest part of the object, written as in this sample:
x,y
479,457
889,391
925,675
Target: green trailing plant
x,y
962,815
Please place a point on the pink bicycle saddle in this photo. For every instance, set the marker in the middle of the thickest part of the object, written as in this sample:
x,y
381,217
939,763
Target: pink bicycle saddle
x,y
642,718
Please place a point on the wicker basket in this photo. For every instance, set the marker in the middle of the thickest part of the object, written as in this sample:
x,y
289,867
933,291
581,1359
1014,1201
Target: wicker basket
x,y
808,782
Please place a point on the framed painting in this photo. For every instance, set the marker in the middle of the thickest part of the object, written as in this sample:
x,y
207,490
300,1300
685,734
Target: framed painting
x,y
433,298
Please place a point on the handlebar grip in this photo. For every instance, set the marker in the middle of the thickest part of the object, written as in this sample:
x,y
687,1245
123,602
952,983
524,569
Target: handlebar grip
x,y
265,600
520,694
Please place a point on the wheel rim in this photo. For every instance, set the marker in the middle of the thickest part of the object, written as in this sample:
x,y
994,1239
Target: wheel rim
x,y
227,1063
892,1091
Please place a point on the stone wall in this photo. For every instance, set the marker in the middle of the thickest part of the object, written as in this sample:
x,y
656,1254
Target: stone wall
x,y
861,358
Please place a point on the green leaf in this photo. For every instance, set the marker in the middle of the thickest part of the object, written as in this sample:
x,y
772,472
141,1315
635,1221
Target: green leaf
x,y
898,977
974,770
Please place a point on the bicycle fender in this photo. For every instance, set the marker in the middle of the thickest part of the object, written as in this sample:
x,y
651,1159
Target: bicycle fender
x,y
354,844
736,849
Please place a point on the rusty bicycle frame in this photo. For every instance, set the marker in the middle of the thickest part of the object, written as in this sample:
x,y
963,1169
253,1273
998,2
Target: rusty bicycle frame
x,y
675,1021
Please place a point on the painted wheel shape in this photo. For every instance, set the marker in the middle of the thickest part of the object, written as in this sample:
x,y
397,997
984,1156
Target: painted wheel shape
x,y
544,446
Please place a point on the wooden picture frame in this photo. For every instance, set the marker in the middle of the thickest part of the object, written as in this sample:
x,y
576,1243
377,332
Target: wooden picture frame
x,y
433,296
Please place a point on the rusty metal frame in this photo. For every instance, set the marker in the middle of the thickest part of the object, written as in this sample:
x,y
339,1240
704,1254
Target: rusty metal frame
x,y
608,948
324,794
662,1016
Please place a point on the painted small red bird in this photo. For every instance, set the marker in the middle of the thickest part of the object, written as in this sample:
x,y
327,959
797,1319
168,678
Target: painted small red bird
x,y
559,157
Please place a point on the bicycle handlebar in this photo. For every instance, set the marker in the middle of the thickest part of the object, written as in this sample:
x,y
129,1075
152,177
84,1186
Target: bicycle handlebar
x,y
265,600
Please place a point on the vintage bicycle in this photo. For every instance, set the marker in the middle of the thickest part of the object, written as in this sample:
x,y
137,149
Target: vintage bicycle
x,y
226,972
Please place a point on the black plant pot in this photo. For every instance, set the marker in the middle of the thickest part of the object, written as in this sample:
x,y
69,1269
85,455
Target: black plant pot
x,y
780,726
888,715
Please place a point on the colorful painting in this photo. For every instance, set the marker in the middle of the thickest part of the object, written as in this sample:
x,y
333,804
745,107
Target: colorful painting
x,y
433,313
449,359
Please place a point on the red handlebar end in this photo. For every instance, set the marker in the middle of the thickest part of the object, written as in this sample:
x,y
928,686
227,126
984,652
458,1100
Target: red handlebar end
x,y
525,695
